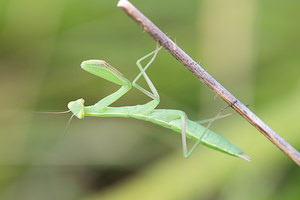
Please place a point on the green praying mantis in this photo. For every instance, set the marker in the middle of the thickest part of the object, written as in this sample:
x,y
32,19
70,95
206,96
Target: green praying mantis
x,y
175,120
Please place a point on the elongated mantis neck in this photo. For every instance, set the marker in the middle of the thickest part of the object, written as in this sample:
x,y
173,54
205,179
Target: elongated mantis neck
x,y
79,110
103,103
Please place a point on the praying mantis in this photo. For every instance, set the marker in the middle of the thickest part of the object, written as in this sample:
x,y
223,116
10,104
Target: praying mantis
x,y
175,120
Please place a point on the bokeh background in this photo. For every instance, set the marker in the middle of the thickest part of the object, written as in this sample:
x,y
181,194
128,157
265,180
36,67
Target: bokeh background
x,y
251,47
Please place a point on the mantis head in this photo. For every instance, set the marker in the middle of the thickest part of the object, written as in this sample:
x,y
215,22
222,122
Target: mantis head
x,y
77,108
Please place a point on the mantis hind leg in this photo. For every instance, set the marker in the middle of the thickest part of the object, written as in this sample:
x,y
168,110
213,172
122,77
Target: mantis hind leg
x,y
153,94
187,153
183,133
214,118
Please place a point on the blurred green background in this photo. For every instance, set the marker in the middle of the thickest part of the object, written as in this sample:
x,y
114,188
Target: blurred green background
x,y
251,47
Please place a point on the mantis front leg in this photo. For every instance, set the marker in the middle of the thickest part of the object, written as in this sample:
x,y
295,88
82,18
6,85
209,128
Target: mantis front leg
x,y
104,70
111,74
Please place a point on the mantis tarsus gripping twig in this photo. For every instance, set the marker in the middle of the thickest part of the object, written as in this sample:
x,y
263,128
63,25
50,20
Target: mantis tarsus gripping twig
x,y
172,119
201,74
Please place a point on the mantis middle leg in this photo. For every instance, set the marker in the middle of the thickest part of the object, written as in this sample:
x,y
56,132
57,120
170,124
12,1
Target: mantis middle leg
x,y
154,95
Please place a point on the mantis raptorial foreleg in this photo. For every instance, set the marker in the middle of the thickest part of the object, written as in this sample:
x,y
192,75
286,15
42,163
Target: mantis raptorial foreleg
x,y
93,67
